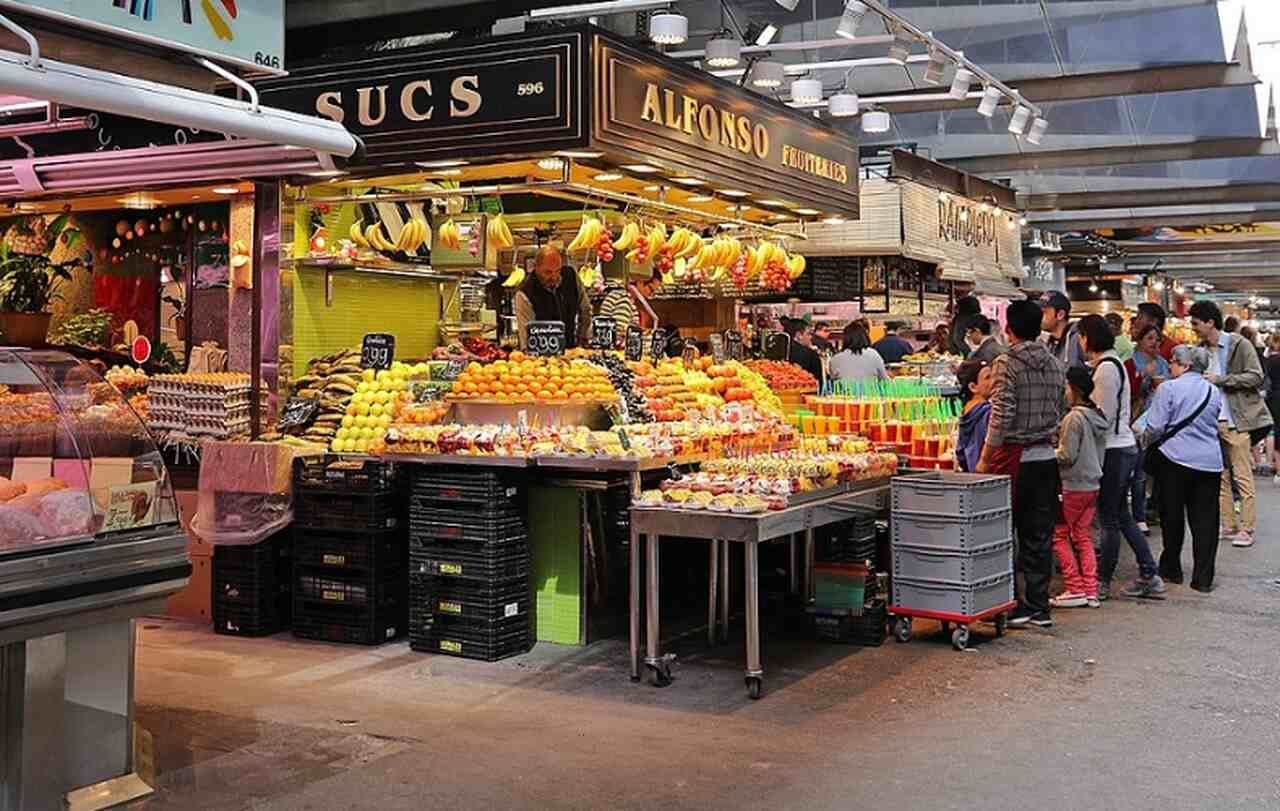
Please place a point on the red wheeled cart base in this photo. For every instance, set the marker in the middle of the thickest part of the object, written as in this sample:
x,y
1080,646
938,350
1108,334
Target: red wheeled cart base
x,y
900,622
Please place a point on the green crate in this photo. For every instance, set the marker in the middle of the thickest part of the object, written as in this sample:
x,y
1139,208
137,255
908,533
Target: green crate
x,y
840,586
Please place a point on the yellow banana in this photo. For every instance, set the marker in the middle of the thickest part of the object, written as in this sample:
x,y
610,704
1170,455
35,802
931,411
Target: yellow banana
x,y
375,238
795,266
406,233
627,238
449,235
356,235
754,262
498,232
657,238
587,235
515,279
421,231
694,247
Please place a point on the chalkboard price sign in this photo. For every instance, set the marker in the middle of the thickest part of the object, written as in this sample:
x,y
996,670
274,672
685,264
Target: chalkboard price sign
x,y
635,343
452,369
298,412
658,344
717,346
546,338
377,350
733,344
604,332
690,353
777,345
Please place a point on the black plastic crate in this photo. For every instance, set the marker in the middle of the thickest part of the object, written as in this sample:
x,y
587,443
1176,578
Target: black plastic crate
x,y
352,624
868,630
345,473
452,485
454,508
345,551
490,650
347,510
251,587
435,528
455,563
311,585
442,601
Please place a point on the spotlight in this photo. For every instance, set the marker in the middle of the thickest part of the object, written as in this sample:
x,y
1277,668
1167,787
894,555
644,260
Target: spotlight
x,y
723,51
854,11
960,84
990,101
937,67
768,74
1093,287
900,48
806,91
668,28
789,5
875,121
1018,121
1038,129
843,104
761,33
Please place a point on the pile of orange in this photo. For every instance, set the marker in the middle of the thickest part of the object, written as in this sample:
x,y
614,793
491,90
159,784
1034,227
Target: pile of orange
x,y
525,379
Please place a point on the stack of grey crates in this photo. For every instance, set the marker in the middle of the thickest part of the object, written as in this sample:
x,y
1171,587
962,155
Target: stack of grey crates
x,y
952,540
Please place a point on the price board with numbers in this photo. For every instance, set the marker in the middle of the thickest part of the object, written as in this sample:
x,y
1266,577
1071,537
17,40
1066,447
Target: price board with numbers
x,y
546,338
690,353
604,332
658,344
717,347
635,343
298,412
451,370
733,344
377,350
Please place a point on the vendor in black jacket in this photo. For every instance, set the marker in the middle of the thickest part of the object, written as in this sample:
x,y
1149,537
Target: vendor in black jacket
x,y
553,293
801,351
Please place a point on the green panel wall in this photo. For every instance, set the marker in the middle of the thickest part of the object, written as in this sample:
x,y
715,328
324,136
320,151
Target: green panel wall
x,y
362,303
555,534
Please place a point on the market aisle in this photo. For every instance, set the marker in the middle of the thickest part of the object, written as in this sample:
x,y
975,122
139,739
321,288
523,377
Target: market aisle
x,y
1169,705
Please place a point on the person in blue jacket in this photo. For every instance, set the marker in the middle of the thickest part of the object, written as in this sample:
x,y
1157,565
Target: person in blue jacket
x,y
974,378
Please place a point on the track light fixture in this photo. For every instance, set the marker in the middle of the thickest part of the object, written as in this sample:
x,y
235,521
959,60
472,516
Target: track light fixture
x,y
668,28
768,74
937,67
806,91
960,83
723,51
854,11
900,48
875,122
843,104
761,33
1038,128
990,101
1018,121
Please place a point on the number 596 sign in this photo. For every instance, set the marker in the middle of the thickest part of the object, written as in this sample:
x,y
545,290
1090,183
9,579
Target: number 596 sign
x,y
530,89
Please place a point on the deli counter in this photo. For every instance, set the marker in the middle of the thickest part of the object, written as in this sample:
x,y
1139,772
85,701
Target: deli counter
x,y
89,540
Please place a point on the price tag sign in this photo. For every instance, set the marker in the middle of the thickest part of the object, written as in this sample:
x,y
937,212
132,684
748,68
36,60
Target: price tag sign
x,y
733,344
604,332
452,369
140,351
635,343
377,350
717,346
690,353
298,412
624,439
658,344
546,338
777,346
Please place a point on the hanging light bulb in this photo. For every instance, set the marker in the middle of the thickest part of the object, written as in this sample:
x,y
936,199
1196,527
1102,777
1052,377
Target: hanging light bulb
x,y
854,11
937,67
875,121
843,104
960,83
768,73
900,48
668,28
806,91
1038,128
1093,287
723,51
1018,121
990,101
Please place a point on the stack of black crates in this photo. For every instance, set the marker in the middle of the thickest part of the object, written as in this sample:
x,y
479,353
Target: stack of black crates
x,y
853,542
251,587
349,552
470,590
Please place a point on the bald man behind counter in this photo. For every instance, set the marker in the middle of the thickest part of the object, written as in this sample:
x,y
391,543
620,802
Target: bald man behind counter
x,y
553,293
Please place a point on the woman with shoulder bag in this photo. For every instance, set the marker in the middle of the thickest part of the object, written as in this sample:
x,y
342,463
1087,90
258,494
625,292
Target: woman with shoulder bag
x,y
1184,453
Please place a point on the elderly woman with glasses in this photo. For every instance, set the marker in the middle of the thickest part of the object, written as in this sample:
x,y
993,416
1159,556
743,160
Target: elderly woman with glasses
x,y
1185,455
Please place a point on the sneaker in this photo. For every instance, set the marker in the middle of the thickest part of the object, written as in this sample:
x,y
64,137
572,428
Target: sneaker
x,y
1243,539
1023,617
1144,587
1104,591
1069,599
1142,525
1093,602
1228,535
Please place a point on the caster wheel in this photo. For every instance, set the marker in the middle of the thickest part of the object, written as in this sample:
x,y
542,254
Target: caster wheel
x,y
902,629
1002,623
960,638
755,686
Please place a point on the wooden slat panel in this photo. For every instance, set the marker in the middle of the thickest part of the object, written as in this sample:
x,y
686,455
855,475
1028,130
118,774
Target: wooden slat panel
x,y
877,233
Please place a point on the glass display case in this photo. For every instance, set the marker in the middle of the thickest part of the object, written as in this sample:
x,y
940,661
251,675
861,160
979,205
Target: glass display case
x,y
77,465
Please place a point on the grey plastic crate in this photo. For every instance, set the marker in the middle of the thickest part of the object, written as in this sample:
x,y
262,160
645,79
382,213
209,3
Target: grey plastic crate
x,y
944,492
963,567
949,598
946,532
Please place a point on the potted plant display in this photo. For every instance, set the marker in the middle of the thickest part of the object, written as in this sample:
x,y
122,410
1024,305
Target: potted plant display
x,y
29,278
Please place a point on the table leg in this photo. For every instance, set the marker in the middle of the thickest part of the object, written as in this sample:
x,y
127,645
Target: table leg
x,y
656,662
810,587
793,569
713,576
635,587
751,576
724,590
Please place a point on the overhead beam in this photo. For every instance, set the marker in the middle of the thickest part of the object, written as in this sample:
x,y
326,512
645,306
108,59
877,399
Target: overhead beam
x,y
1077,86
1201,247
1084,222
1193,195
1050,160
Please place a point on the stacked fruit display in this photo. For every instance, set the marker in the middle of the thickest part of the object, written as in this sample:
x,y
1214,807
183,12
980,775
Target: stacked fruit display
x,y
331,379
527,379
623,380
376,403
783,376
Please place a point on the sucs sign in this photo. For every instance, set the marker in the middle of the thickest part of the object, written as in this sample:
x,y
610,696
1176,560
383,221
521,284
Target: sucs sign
x,y
248,33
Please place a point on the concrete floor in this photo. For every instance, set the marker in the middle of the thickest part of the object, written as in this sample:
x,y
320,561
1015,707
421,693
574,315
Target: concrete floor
x,y
1172,705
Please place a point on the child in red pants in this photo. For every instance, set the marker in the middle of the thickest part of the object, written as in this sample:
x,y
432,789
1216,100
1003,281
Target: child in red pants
x,y
1081,446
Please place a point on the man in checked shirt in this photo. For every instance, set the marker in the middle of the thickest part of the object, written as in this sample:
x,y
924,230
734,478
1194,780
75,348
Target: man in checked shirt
x,y
1028,401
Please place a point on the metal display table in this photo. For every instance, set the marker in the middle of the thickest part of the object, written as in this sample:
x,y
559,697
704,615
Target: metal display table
x,y
649,525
